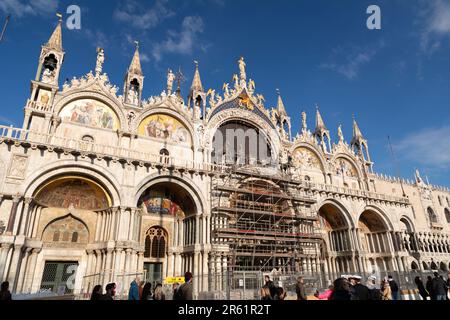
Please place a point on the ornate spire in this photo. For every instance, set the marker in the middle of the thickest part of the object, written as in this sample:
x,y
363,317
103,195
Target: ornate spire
x,y
304,124
357,135
135,66
196,81
280,104
340,133
55,41
320,125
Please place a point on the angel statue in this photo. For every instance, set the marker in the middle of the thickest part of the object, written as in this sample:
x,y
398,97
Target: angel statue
x,y
100,61
251,85
236,81
261,99
48,76
226,89
340,134
242,65
170,79
212,94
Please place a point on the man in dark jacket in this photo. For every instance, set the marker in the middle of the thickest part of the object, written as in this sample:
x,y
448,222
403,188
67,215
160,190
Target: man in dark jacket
x,y
360,291
5,294
110,292
394,288
300,289
271,285
184,292
439,287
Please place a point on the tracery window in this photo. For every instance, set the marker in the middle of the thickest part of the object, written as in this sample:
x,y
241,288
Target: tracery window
x,y
155,243
431,215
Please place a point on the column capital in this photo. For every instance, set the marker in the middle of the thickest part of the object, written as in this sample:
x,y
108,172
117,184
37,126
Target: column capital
x,y
17,197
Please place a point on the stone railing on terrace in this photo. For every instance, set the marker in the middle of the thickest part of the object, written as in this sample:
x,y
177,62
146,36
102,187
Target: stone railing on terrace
x,y
117,153
99,150
359,193
36,105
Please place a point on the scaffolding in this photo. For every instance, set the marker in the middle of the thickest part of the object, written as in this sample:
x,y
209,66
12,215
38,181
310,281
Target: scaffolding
x,y
265,220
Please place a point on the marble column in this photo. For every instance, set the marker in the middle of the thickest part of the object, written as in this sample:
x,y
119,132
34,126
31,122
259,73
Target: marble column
x,y
30,270
12,215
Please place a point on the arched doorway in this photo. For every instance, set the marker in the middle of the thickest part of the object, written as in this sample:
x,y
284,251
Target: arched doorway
x,y
375,239
67,214
169,230
338,250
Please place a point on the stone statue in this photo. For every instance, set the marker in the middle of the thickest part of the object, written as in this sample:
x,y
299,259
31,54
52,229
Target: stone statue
x,y
236,81
261,99
48,76
304,125
242,65
251,85
418,177
212,94
226,90
132,96
170,79
340,134
100,61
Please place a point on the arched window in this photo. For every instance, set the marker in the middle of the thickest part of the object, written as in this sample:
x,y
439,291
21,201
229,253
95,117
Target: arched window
x,y
56,236
164,155
155,243
447,215
440,200
88,138
66,236
414,266
431,215
75,237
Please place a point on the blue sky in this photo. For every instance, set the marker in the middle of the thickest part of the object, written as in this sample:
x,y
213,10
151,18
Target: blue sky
x,y
395,80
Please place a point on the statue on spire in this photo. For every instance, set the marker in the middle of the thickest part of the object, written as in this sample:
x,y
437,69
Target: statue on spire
x,y
170,79
100,61
242,65
340,134
304,125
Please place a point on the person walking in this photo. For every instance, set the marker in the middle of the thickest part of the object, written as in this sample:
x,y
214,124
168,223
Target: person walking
x,y
175,288
429,287
271,285
133,294
360,291
341,290
300,289
141,287
110,292
420,286
185,290
326,295
374,291
265,293
97,292
386,293
439,287
146,292
394,288
5,294
159,294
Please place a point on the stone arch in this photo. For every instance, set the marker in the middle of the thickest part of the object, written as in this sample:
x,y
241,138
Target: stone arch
x,y
443,267
425,265
409,225
414,265
164,110
381,214
63,167
69,225
352,161
312,149
80,95
343,210
184,182
251,118
433,265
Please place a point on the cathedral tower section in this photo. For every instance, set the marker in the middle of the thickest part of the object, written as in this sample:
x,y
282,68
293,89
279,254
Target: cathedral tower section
x,y
134,81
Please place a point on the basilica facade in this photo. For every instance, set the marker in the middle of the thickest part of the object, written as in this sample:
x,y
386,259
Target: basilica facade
x,y
127,185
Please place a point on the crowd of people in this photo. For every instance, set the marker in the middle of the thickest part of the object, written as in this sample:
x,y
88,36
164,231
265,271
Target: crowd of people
x,y
350,287
141,290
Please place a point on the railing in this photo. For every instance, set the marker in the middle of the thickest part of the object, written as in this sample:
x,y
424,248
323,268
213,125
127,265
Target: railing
x,y
140,156
38,106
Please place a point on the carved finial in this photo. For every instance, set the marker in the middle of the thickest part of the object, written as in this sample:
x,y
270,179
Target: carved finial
x,y
100,61
136,44
340,134
304,124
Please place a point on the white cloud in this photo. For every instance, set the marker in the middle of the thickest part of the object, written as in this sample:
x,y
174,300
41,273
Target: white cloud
x,y
21,8
144,57
435,25
349,60
135,14
96,38
429,147
181,42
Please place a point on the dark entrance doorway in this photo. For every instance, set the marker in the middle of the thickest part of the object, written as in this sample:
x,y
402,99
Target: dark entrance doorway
x,y
59,277
153,272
